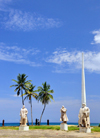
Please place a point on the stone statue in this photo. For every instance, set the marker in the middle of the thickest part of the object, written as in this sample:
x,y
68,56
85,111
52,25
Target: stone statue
x,y
64,117
84,119
23,114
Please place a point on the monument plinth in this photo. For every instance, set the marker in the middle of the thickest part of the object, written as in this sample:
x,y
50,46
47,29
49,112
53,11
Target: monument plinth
x,y
24,128
63,126
84,113
84,129
64,118
23,120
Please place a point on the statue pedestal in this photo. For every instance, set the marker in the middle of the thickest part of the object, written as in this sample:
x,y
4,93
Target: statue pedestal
x,y
63,126
84,129
24,128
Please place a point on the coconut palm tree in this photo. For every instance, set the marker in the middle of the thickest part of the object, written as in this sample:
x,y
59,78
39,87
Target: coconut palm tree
x,y
44,96
21,84
29,94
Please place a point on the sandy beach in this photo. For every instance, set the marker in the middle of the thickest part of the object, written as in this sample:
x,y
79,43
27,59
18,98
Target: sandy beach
x,y
38,133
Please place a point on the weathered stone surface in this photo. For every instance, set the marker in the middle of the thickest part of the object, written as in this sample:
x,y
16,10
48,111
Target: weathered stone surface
x,y
63,126
24,128
84,119
64,117
84,129
23,120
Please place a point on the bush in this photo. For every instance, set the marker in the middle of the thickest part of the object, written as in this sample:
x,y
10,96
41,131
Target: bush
x,y
99,125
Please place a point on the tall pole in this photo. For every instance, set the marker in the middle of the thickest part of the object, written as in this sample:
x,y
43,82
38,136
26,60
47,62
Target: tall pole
x,y
83,81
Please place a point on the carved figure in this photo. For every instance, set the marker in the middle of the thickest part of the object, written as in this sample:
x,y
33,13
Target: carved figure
x,y
23,114
64,117
84,119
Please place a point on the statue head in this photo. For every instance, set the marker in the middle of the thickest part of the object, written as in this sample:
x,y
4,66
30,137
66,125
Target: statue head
x,y
23,106
83,105
62,106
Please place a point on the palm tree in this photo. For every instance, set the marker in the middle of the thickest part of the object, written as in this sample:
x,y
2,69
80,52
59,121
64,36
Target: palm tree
x,y
21,84
29,93
44,96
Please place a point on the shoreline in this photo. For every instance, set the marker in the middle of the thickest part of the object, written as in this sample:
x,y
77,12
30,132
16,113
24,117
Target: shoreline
x,y
48,125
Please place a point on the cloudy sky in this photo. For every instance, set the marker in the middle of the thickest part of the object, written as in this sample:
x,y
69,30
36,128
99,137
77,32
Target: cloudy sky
x,y
44,39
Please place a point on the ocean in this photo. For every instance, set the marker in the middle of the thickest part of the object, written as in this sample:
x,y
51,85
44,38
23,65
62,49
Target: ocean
x,y
44,123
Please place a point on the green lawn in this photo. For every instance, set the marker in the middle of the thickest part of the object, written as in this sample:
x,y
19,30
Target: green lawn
x,y
70,128
41,127
95,129
10,127
45,127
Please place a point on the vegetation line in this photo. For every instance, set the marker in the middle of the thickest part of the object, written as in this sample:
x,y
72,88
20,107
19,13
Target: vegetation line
x,y
70,128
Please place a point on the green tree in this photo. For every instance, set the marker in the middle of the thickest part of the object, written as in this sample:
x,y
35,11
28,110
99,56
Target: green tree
x,y
44,96
29,94
21,84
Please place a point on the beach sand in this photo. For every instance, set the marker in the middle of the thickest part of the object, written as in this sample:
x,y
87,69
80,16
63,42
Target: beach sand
x,y
39,133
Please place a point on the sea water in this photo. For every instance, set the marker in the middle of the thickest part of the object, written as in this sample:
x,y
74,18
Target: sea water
x,y
44,123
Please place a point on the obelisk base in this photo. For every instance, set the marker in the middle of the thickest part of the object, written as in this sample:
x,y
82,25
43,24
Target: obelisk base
x,y
84,129
63,126
24,128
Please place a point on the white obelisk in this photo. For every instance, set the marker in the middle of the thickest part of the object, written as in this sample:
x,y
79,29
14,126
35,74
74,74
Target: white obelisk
x,y
83,81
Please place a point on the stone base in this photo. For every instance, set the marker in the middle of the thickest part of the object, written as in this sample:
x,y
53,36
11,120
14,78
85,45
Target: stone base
x,y
24,128
84,129
63,126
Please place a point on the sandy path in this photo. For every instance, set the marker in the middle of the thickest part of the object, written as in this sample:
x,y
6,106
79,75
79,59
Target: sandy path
x,y
45,134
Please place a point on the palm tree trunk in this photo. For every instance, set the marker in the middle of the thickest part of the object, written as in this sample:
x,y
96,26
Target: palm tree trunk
x,y
31,112
42,113
22,97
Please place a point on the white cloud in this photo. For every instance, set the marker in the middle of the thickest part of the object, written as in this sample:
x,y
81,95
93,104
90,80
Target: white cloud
x,y
72,60
17,55
94,96
5,1
15,95
96,37
18,20
3,4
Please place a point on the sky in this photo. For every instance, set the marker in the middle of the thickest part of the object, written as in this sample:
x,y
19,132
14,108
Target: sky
x,y
45,39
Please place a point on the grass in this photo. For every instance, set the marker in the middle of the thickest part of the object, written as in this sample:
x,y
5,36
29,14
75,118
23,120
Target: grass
x,y
41,127
70,128
95,129
45,127
10,127
33,127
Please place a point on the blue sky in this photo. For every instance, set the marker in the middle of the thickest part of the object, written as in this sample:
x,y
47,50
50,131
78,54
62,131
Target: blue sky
x,y
44,39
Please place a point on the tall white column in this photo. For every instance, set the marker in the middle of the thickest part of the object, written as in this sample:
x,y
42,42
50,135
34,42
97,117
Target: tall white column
x,y
83,82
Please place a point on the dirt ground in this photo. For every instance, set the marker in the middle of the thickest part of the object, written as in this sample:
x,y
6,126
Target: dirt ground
x,y
45,134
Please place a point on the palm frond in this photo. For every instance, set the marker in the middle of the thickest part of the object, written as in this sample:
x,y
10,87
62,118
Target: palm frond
x,y
13,85
15,80
44,93
24,94
50,91
26,97
18,92
51,97
27,83
19,77
16,89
